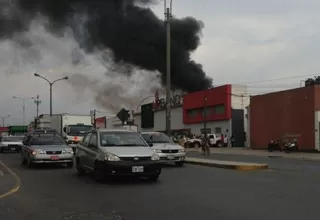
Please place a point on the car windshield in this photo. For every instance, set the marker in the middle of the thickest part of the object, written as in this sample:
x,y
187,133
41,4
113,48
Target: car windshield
x,y
11,139
46,140
78,130
121,139
156,138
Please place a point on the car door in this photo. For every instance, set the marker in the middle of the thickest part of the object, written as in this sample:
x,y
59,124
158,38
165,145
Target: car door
x,y
81,151
92,150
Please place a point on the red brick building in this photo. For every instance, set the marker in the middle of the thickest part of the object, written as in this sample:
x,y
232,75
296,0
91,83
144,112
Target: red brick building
x,y
296,111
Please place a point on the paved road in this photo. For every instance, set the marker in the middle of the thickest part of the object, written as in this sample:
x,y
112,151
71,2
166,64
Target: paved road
x,y
191,192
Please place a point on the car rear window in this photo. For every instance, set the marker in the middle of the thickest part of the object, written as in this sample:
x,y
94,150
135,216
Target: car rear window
x,y
46,139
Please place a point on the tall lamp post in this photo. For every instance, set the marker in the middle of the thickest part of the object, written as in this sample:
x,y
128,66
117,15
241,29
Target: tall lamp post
x,y
4,117
23,99
168,16
50,84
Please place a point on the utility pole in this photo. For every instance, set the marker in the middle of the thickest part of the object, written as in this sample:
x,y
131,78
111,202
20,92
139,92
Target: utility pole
x,y
205,115
168,16
3,118
93,117
37,102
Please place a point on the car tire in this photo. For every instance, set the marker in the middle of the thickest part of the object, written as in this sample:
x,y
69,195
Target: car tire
x,y
1,150
196,144
98,174
154,178
219,144
80,170
180,163
70,164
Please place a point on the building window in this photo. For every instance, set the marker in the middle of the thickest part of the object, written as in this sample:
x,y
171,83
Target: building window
x,y
219,109
218,130
192,113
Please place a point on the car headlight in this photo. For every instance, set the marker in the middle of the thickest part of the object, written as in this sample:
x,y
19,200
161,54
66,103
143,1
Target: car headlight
x,y
155,157
111,157
69,151
157,150
35,152
181,151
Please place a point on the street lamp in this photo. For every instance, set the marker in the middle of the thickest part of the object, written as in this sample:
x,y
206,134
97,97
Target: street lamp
x,y
23,99
4,117
51,84
168,16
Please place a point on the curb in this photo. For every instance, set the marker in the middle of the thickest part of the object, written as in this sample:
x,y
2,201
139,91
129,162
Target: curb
x,y
227,164
17,180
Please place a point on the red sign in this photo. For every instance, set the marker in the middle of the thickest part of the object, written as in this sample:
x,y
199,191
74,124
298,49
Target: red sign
x,y
101,122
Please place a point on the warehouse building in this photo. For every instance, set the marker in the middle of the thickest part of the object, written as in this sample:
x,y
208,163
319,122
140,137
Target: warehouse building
x,y
221,108
293,112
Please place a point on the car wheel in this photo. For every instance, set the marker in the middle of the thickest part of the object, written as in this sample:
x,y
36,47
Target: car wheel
x,y
70,164
80,170
98,174
196,145
179,164
219,144
154,178
1,150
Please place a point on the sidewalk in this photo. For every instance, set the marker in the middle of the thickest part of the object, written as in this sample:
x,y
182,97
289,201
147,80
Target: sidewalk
x,y
260,153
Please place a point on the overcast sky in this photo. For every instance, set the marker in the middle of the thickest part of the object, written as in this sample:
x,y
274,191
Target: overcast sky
x,y
243,41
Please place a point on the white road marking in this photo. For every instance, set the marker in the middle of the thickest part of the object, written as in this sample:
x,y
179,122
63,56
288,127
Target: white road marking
x,y
1,173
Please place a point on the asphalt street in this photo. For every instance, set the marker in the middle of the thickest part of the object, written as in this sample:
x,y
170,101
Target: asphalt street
x,y
190,192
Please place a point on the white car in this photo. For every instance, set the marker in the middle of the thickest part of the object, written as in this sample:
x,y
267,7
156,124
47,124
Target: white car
x,y
10,144
165,147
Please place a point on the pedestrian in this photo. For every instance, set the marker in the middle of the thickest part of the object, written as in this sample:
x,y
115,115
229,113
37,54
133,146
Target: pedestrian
x,y
232,140
222,140
205,144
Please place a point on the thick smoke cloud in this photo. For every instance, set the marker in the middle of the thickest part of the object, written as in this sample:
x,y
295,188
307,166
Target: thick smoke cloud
x,y
133,33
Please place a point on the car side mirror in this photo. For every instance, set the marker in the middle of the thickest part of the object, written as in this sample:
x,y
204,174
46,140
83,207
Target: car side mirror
x,y
150,144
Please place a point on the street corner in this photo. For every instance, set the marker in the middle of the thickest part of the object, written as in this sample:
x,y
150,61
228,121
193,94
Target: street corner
x,y
9,181
226,164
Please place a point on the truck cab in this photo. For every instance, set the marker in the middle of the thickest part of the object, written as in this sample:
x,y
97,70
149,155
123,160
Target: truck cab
x,y
75,132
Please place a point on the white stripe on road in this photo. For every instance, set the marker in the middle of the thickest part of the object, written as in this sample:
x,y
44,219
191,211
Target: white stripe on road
x,y
1,173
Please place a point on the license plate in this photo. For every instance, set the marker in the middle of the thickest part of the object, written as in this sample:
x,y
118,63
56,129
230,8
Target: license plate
x,y
170,157
13,148
137,169
54,158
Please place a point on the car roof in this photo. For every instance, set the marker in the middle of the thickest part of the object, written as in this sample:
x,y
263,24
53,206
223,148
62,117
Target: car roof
x,y
151,132
44,131
115,130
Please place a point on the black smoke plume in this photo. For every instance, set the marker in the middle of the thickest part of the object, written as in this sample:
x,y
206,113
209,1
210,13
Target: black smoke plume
x,y
133,33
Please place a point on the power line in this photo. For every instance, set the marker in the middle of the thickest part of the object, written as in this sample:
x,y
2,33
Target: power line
x,y
275,79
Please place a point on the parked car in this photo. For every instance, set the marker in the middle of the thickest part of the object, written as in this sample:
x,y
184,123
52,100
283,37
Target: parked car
x,y
10,144
107,153
45,147
165,147
215,140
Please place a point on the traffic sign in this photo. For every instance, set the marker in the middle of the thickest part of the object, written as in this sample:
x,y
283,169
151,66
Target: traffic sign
x,y
123,115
